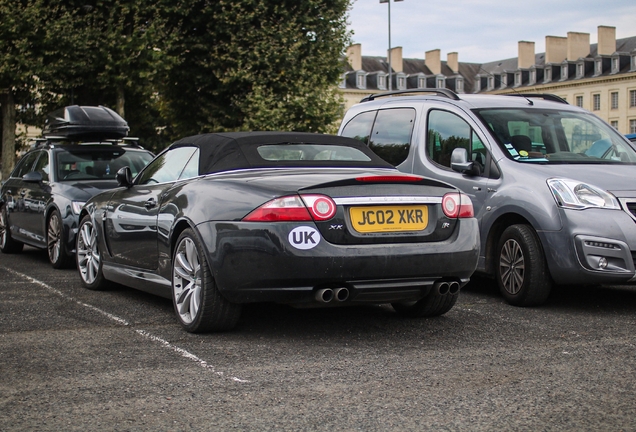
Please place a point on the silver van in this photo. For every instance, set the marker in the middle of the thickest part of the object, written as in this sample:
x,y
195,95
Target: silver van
x,y
552,185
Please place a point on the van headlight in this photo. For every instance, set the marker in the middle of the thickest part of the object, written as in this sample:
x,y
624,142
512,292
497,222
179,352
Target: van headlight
x,y
573,194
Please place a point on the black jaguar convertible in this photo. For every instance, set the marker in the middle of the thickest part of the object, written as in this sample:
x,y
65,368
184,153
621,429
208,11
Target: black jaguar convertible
x,y
218,220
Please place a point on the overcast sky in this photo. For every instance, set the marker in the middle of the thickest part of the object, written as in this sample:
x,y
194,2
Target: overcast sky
x,y
482,31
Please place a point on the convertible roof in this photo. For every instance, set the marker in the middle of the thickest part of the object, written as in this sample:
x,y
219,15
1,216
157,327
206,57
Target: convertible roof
x,y
238,150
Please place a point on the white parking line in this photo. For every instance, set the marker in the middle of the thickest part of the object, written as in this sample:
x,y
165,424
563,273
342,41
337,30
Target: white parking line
x,y
144,333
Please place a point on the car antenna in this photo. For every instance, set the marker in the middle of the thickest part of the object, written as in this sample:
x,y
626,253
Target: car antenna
x,y
511,88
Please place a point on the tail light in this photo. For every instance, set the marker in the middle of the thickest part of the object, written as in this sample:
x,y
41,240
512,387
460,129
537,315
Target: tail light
x,y
457,205
294,208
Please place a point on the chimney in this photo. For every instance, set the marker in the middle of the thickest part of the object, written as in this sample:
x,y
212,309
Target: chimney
x,y
606,40
433,61
396,59
452,61
354,56
556,49
526,54
578,45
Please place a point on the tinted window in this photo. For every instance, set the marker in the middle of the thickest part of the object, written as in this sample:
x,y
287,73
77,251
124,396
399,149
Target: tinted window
x,y
446,132
360,127
24,166
42,165
98,164
167,167
391,135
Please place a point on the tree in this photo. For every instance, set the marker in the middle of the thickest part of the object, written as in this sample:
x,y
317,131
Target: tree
x,y
254,64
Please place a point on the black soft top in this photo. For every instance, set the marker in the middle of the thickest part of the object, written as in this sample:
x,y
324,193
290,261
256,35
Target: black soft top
x,y
238,150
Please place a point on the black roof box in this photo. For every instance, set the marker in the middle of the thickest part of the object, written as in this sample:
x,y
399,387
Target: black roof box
x,y
85,123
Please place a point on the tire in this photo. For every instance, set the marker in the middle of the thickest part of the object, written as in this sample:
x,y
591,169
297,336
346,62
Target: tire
x,y
521,268
88,258
197,302
434,304
7,244
55,241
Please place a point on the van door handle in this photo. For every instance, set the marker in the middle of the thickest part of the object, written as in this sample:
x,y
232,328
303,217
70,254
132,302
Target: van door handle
x,y
150,203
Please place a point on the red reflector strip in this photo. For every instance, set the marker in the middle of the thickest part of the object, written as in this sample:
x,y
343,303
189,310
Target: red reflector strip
x,y
380,179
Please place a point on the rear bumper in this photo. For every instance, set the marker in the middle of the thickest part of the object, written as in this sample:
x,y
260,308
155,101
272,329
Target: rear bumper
x,y
254,262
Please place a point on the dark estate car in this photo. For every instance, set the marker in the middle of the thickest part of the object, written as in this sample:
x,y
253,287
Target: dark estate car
x,y
552,184
218,220
41,201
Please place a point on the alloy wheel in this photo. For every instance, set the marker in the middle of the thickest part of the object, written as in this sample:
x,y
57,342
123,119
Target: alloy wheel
x,y
54,238
88,258
3,230
512,266
186,280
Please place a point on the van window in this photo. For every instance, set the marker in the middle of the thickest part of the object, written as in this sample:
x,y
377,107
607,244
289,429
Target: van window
x,y
391,135
446,132
360,126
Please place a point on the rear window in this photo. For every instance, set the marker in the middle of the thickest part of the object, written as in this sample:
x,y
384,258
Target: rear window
x,y
310,152
80,164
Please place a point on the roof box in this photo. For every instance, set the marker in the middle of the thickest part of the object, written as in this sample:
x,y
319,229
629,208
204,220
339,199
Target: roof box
x,y
85,123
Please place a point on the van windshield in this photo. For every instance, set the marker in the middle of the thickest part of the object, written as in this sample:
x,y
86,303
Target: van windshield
x,y
553,136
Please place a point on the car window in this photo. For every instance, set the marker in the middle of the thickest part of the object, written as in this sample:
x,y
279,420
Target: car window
x,y
167,167
42,165
192,167
553,136
310,152
360,126
82,163
448,131
25,165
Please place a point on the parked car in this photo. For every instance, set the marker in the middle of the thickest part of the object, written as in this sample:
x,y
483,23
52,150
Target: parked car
x,y
79,156
218,220
552,185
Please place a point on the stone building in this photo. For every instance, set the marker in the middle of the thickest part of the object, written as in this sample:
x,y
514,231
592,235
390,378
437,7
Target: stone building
x,y
599,77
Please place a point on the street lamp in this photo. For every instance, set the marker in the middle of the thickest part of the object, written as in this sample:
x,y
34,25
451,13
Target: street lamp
x,y
388,2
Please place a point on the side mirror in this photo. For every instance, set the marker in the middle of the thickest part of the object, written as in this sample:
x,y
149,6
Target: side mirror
x,y
460,162
124,177
32,177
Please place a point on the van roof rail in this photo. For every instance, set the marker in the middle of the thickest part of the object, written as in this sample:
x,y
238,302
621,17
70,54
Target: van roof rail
x,y
544,96
438,92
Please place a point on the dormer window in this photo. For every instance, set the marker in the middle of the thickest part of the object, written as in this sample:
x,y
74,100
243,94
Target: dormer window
x,y
421,82
615,65
598,67
491,82
361,80
533,77
517,79
580,70
382,81
343,81
633,63
564,72
547,74
459,85
401,82
440,82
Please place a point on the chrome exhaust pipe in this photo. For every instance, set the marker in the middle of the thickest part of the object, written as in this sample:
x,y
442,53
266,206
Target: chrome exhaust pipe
x,y
453,287
341,294
442,287
324,295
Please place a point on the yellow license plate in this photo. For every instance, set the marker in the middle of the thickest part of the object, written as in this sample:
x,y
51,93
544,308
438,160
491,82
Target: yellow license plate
x,y
389,218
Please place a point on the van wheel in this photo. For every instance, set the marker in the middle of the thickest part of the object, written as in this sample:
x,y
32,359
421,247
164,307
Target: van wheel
x,y
522,271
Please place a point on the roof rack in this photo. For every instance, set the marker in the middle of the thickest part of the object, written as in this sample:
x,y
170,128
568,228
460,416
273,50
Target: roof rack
x,y
544,96
439,92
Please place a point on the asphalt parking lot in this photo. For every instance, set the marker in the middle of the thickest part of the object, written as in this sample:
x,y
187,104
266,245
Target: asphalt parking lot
x,y
73,359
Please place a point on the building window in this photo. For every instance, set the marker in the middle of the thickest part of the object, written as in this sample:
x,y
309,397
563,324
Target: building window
x,y
632,98
421,82
564,72
614,124
633,68
614,100
382,82
343,81
579,70
579,101
596,102
441,83
598,67
547,75
459,85
361,81
491,82
533,77
632,126
517,79
615,65
401,83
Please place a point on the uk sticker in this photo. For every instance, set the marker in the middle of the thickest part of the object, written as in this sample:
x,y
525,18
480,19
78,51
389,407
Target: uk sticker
x,y
304,238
